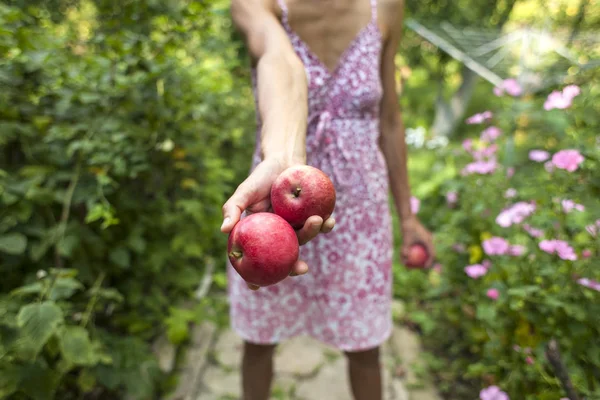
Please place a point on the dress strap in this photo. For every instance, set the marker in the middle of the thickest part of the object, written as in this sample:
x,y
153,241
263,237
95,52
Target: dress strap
x,y
373,10
284,14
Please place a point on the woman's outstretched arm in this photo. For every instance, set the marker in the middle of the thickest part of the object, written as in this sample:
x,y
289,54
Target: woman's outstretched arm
x,y
283,107
282,84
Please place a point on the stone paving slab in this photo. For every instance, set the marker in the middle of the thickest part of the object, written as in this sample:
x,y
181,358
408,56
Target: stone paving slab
x,y
196,362
306,369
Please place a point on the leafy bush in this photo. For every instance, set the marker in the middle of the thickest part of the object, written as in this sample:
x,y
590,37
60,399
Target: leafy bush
x,y
118,124
516,215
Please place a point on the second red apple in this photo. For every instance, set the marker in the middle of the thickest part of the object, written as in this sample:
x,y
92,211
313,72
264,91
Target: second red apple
x,y
300,192
263,248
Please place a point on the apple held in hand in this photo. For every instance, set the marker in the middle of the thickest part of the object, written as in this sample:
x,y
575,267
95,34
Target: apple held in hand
x,y
300,192
263,248
417,256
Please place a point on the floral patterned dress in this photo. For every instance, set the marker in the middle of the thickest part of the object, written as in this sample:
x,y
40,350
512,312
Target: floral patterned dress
x,y
345,299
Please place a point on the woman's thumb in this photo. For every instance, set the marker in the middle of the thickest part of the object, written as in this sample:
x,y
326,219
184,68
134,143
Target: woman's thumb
x,y
232,210
231,215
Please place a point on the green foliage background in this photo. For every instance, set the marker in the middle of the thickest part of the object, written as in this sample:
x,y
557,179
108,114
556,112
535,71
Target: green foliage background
x,y
123,128
119,122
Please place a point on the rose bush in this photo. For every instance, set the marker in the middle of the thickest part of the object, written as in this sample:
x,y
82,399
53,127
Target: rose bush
x,y
516,214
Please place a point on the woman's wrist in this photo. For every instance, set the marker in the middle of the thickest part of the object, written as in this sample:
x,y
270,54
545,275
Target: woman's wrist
x,y
285,159
407,218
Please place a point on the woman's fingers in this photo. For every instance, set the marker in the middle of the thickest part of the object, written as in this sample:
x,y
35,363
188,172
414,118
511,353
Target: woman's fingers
x,y
328,225
311,228
300,268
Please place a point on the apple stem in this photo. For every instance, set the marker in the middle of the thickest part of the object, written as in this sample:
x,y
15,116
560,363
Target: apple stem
x,y
236,254
297,192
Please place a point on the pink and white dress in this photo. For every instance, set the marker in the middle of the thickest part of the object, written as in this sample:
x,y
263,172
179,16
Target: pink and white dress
x,y
345,298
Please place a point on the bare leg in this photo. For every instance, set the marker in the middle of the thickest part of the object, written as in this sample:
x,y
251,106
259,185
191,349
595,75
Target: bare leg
x,y
365,374
257,371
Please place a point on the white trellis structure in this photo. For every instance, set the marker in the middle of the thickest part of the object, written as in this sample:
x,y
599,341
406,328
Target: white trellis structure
x,y
536,58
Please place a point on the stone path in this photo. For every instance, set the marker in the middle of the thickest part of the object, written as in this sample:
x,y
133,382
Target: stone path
x,y
305,369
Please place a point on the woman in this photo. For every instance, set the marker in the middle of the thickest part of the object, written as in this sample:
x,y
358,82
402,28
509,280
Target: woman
x,y
324,79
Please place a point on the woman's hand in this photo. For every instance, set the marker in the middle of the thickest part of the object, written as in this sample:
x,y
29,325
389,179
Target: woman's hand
x,y
253,195
413,232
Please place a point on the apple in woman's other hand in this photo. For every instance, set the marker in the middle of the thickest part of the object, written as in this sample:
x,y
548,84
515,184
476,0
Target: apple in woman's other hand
x,y
417,256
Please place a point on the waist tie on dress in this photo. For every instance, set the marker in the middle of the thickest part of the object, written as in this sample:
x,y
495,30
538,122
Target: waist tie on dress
x,y
330,144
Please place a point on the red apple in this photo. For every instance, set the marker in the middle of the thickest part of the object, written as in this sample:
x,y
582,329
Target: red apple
x,y
417,256
300,192
263,248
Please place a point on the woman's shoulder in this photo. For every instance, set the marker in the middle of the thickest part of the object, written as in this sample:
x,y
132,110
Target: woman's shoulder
x,y
389,14
389,8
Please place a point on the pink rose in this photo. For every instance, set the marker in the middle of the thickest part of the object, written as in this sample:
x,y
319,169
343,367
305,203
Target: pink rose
x,y
493,393
515,214
493,294
510,86
495,246
516,250
562,99
593,228
559,247
534,232
529,360
490,134
570,205
568,160
480,167
510,193
475,271
479,118
589,283
587,253
539,155
451,198
467,144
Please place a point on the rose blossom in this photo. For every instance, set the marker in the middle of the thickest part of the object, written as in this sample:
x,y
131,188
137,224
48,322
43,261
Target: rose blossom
x,y
479,118
475,271
493,393
493,294
568,160
559,247
539,155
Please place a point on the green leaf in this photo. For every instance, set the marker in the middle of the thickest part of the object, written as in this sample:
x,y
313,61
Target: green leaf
x,y
64,288
177,324
8,336
523,291
486,312
120,256
39,381
13,243
86,381
108,294
32,288
67,245
10,377
76,346
38,322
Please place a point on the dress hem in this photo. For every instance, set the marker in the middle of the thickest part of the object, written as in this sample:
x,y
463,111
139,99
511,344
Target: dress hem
x,y
373,344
